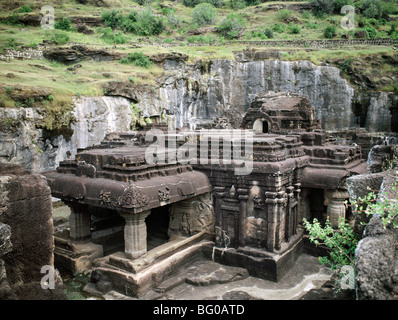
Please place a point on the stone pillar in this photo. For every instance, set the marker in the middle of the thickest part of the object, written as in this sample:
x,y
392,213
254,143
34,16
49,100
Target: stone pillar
x,y
243,197
281,219
297,192
135,236
336,206
289,213
80,223
271,202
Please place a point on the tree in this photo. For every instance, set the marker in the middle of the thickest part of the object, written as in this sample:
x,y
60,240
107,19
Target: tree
x,y
204,14
231,26
323,6
330,32
372,9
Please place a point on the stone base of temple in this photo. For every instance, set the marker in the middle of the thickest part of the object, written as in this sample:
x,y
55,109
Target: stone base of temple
x,y
136,277
261,263
73,257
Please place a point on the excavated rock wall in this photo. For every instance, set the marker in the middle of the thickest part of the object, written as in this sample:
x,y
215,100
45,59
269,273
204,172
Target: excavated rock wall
x,y
26,236
189,96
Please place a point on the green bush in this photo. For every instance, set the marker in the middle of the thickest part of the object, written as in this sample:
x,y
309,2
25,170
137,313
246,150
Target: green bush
x,y
24,9
231,26
113,38
138,59
311,25
59,37
252,2
237,4
215,3
63,24
269,33
143,23
323,6
284,14
372,9
112,18
144,2
389,7
341,243
12,19
173,20
279,27
329,32
204,14
338,4
191,3
294,28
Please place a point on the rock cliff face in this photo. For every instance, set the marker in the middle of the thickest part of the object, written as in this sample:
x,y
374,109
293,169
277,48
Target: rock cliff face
x,y
191,95
224,88
22,143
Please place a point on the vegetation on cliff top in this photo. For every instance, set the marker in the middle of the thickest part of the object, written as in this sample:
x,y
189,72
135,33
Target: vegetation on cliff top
x,y
120,23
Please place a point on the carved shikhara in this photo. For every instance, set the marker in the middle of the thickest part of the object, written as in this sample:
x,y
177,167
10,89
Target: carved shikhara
x,y
192,216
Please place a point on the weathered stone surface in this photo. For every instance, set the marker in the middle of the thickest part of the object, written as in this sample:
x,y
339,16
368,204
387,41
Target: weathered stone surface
x,y
75,53
29,214
209,273
357,187
376,255
95,117
5,239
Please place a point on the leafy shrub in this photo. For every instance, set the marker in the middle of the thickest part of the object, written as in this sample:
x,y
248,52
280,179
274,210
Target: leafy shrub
x,y
252,2
269,33
372,33
338,4
173,19
138,59
204,14
63,24
215,3
112,18
342,242
294,28
330,32
237,4
191,3
144,2
12,19
311,25
10,43
143,23
279,27
59,37
389,7
231,26
323,6
113,38
284,14
24,9
372,9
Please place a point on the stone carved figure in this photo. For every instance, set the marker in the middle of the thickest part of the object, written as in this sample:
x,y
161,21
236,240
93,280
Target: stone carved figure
x,y
164,194
133,198
190,217
257,203
203,214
